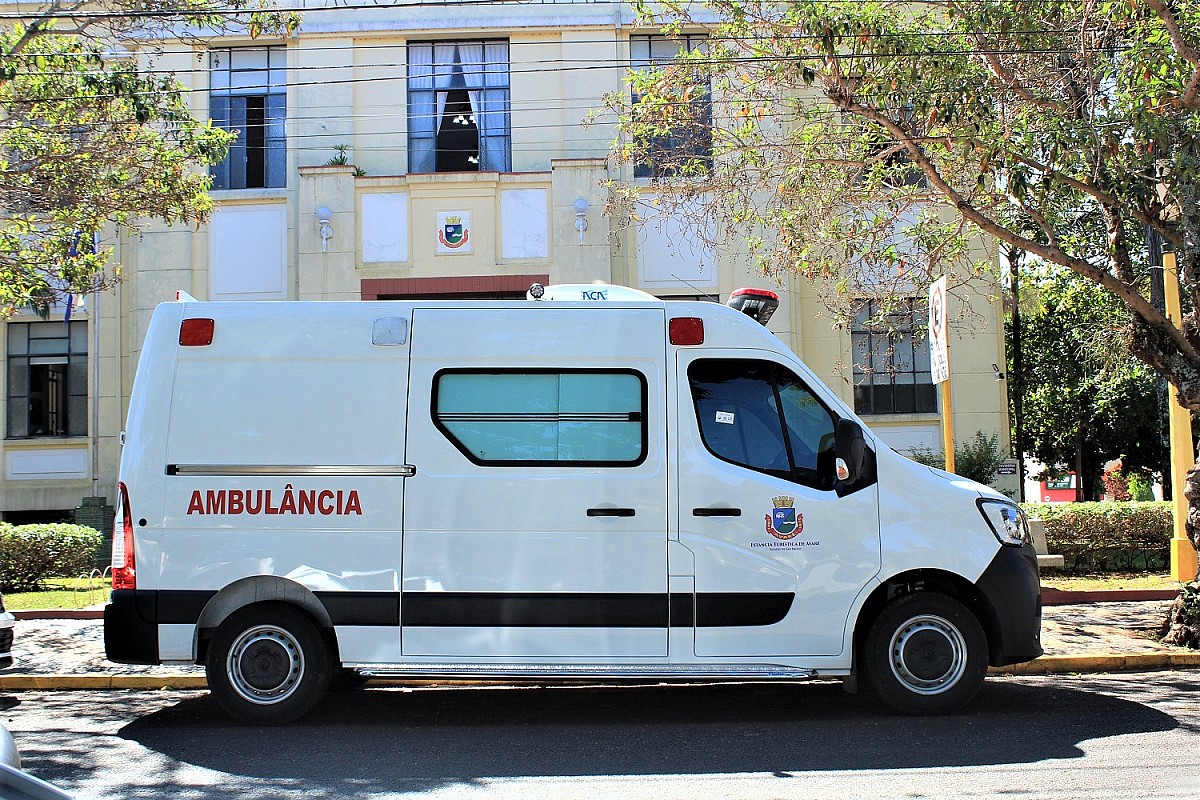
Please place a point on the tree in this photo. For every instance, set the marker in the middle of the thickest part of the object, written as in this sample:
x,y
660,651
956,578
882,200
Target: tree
x,y
89,139
1086,400
870,146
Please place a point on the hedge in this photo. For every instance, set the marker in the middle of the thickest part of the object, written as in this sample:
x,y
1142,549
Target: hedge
x,y
1099,537
29,554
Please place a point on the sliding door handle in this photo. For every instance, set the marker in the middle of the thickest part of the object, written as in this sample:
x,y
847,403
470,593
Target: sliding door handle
x,y
716,512
611,512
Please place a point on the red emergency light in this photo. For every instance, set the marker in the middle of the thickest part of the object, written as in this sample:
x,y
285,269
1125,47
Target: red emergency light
x,y
758,304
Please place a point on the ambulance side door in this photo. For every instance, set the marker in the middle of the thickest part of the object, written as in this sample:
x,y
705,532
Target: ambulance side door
x,y
780,553
535,526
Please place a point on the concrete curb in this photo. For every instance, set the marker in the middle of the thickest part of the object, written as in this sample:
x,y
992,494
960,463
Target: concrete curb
x,y
1046,665
1064,597
1101,662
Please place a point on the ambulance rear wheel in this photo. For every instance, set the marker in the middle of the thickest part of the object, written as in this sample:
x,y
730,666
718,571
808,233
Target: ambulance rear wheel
x,y
268,664
926,653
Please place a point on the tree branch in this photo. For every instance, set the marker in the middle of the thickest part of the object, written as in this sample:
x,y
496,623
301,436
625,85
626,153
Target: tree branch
x,y
1126,293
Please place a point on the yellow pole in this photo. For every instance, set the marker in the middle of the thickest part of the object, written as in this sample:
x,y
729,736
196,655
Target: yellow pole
x,y
1183,456
947,420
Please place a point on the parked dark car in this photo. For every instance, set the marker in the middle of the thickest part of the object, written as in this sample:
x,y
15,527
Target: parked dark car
x,y
7,623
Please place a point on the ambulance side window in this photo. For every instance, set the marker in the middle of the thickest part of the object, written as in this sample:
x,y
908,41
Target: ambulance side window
x,y
543,417
759,415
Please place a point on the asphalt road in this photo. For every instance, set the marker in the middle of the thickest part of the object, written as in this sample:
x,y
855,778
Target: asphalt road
x,y
1099,736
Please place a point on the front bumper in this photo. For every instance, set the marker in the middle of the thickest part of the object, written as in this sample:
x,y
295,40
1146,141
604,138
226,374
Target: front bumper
x,y
8,624
1013,589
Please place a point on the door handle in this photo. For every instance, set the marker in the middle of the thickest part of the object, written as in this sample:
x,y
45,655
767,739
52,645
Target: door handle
x,y
611,512
716,512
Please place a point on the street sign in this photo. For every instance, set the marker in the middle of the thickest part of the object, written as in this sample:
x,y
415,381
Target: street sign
x,y
939,349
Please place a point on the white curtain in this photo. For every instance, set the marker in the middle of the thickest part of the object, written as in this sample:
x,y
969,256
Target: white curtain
x,y
422,138
470,57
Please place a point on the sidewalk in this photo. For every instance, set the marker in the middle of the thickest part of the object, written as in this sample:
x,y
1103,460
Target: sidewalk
x,y
1091,637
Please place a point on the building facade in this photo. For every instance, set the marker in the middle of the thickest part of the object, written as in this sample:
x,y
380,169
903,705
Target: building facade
x,y
423,151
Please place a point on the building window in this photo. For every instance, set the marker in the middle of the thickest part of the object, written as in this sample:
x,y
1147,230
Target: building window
x,y
47,379
543,418
671,155
458,107
248,95
891,362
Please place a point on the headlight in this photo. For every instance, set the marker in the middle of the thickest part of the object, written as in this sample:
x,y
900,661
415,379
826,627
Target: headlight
x,y
1006,521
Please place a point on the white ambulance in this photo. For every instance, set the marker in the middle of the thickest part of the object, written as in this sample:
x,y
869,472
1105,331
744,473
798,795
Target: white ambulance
x,y
595,484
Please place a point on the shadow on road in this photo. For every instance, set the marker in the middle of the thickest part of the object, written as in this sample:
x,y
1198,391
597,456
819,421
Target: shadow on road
x,y
387,739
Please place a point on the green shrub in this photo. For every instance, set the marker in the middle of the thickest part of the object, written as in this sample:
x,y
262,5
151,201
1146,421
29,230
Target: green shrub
x,y
976,459
1099,537
29,554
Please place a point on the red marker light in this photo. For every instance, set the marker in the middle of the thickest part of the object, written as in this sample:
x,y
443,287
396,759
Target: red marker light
x,y
686,330
196,332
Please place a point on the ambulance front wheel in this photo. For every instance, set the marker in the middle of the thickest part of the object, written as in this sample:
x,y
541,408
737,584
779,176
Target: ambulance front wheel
x,y
268,664
926,653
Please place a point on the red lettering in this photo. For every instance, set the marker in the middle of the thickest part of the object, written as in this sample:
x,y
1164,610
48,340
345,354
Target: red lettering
x,y
195,505
308,502
324,502
251,506
216,501
235,501
353,506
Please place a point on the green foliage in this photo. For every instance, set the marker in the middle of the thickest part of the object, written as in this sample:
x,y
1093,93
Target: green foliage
x,y
29,554
90,140
976,459
870,147
1086,399
1140,489
341,158
1091,537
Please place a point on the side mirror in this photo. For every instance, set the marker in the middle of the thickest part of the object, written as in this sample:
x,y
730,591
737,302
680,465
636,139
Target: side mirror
x,y
850,448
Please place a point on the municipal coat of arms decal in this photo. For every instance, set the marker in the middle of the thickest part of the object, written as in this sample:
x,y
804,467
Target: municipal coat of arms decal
x,y
783,522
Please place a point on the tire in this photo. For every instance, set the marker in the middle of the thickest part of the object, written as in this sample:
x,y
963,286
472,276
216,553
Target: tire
x,y
926,654
268,664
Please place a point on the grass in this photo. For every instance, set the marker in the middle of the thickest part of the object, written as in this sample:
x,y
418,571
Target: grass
x,y
61,593
1109,580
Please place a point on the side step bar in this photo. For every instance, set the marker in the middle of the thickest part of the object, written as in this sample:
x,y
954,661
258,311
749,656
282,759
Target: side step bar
x,y
587,671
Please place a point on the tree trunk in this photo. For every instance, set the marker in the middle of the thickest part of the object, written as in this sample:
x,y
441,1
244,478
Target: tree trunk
x,y
1182,625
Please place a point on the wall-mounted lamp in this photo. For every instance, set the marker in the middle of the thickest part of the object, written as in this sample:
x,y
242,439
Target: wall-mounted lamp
x,y
325,220
999,374
581,223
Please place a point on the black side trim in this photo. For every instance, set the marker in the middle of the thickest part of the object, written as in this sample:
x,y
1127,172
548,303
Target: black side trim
x,y
534,610
727,609
361,608
1012,588
588,610
683,610
137,613
129,637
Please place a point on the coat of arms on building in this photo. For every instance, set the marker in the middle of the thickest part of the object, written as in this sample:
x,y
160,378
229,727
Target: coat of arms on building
x,y
454,232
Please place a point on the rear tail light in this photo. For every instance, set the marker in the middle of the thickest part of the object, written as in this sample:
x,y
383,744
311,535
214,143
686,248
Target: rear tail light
x,y
124,576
